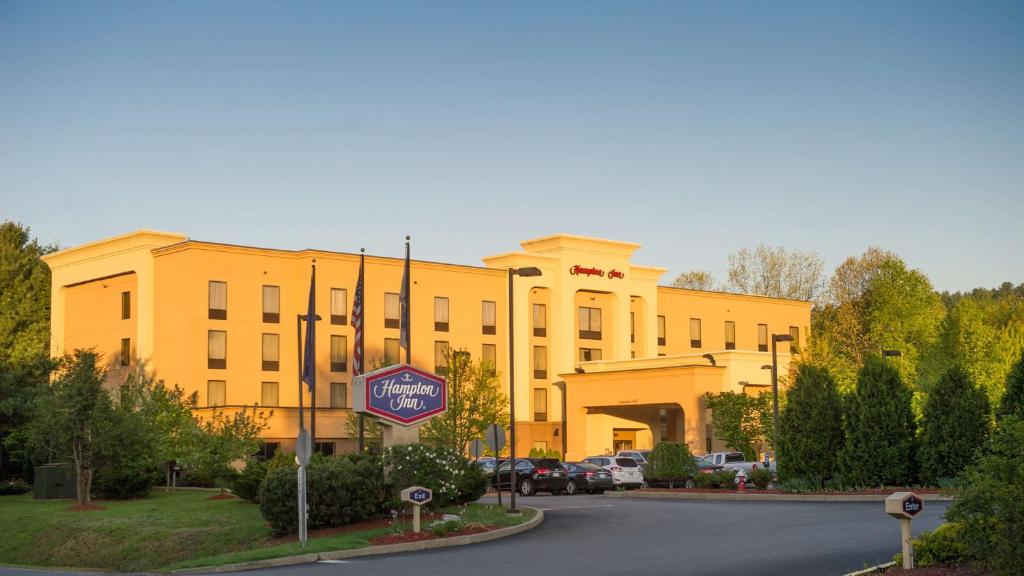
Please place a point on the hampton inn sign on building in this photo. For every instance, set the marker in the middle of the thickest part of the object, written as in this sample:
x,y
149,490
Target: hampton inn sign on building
x,y
605,357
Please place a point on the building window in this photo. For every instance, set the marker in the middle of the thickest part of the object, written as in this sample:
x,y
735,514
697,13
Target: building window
x,y
489,359
590,354
216,392
270,394
794,346
325,448
541,445
540,405
540,320
694,332
272,304
632,326
126,351
762,337
392,310
339,306
267,450
540,362
730,335
391,351
218,300
440,358
217,349
271,352
339,395
126,305
339,353
661,330
590,323
440,314
490,320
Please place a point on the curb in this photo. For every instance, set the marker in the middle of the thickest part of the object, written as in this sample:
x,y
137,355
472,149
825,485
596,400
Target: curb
x,y
537,519
880,569
754,497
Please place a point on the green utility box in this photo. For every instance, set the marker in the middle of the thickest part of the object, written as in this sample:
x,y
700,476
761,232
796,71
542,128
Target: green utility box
x,y
54,481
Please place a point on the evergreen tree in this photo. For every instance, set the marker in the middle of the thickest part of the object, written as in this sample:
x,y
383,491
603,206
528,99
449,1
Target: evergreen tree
x,y
811,426
1012,403
879,427
954,424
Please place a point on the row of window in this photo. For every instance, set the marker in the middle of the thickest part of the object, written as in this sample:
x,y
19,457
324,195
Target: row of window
x,y
217,394
218,308
730,335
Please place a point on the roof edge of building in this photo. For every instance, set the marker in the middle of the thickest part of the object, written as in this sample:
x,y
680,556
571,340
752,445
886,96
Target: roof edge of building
x,y
721,294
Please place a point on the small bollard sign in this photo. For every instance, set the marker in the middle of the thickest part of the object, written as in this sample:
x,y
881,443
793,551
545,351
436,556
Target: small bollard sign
x,y
904,506
417,496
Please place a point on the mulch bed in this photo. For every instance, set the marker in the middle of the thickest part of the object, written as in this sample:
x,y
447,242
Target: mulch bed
x,y
427,535
86,507
223,496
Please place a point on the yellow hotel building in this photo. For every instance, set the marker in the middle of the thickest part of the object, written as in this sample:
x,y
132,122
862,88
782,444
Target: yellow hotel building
x,y
606,359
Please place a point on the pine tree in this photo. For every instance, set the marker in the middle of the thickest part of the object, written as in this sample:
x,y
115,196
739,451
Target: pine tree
x,y
1012,403
879,427
955,423
810,426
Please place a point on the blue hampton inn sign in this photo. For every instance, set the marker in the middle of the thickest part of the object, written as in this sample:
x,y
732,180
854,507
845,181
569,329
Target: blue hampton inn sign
x,y
400,394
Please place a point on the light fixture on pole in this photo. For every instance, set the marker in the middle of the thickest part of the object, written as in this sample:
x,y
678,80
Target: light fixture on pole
x,y
776,338
526,272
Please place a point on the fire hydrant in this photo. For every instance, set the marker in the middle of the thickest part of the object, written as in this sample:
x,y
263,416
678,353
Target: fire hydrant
x,y
743,482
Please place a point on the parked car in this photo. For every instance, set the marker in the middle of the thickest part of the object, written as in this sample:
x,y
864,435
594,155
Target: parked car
x,y
533,475
641,456
730,461
625,472
587,477
489,464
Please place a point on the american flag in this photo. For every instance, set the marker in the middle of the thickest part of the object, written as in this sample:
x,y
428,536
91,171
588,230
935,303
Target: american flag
x,y
357,323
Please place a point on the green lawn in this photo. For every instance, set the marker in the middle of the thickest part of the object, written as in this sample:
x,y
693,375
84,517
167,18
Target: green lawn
x,y
160,533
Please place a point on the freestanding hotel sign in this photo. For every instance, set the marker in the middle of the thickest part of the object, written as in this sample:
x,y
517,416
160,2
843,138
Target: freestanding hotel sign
x,y
400,394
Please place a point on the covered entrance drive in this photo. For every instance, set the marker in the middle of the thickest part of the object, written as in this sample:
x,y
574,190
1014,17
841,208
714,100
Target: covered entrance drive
x,y
637,403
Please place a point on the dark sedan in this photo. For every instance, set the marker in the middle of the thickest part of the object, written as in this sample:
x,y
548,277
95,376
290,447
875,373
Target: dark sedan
x,y
534,475
587,477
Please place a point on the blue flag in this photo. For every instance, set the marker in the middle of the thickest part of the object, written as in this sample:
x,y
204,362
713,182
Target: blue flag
x,y
309,353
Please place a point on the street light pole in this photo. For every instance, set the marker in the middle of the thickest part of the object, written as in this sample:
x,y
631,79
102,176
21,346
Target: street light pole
x,y
531,271
776,338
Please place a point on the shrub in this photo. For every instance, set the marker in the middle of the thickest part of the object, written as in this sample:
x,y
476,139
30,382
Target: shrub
x,y
702,480
341,491
724,479
436,467
247,484
879,427
953,426
798,484
14,487
1012,402
811,426
990,507
471,484
124,483
671,462
760,477
943,547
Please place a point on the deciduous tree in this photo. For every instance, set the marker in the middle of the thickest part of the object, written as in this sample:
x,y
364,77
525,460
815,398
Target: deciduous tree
x,y
696,280
743,422
777,272
475,401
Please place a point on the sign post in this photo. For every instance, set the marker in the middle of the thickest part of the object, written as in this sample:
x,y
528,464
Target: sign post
x,y
417,496
303,451
904,506
495,439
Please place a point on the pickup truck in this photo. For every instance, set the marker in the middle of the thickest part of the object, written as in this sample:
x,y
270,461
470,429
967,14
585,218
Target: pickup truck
x,y
730,461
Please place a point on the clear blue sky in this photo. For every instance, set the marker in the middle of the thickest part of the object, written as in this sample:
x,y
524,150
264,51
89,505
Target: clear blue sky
x,y
695,129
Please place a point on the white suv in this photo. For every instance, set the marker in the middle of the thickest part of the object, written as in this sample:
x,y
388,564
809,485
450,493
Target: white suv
x,y
626,472
641,456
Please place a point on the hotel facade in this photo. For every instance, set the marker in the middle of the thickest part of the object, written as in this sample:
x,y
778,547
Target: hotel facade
x,y
605,358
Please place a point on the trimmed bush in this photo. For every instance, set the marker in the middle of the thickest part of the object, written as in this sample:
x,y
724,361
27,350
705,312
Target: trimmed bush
x,y
811,426
671,462
14,487
123,484
880,428
953,426
471,484
341,491
725,479
943,547
247,484
760,477
436,467
990,507
798,485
